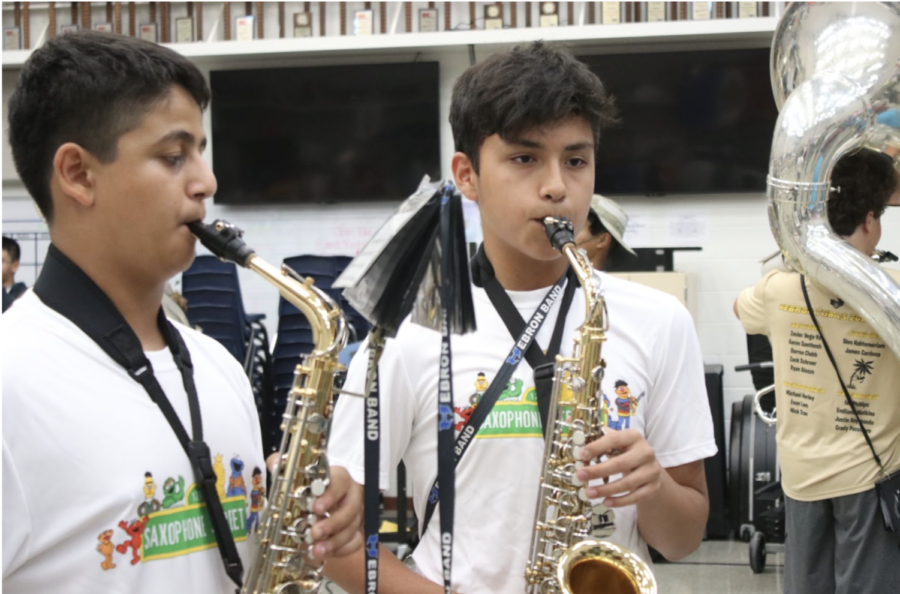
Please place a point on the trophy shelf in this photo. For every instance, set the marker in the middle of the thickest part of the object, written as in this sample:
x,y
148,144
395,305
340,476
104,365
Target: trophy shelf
x,y
702,34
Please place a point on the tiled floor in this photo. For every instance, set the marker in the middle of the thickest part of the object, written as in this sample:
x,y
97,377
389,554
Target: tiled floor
x,y
720,567
717,567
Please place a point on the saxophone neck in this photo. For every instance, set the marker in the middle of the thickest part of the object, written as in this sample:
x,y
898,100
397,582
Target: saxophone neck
x,y
561,233
327,321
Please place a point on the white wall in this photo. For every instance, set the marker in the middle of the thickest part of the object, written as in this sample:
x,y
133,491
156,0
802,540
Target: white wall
x,y
732,230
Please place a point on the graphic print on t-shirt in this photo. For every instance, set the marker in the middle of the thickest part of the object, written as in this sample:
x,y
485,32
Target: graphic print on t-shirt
x,y
516,414
179,524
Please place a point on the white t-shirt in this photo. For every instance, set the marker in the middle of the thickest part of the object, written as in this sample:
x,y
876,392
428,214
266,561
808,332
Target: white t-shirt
x,y
652,346
98,494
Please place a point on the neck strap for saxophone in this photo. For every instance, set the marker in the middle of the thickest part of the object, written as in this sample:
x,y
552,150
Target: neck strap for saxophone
x,y
524,343
65,288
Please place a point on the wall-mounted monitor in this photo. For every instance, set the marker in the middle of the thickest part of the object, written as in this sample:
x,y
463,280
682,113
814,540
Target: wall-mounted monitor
x,y
697,122
324,134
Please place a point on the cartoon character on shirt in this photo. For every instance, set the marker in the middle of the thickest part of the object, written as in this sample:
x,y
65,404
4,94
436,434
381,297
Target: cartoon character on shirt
x,y
135,531
256,499
236,485
219,469
106,549
150,504
173,493
626,404
610,414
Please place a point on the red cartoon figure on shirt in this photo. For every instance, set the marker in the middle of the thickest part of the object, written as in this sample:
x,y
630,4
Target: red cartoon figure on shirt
x,y
135,530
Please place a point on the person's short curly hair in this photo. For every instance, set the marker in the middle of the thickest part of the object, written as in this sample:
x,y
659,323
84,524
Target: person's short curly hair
x,y
510,92
862,182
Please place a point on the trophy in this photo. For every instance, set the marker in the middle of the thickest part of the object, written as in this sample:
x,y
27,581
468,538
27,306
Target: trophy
x,y
493,16
549,14
303,24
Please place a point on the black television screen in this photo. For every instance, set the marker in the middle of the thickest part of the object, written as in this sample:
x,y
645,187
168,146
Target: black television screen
x,y
690,122
324,134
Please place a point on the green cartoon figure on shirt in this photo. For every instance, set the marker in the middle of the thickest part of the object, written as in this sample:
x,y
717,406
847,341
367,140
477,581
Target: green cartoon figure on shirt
x,y
173,493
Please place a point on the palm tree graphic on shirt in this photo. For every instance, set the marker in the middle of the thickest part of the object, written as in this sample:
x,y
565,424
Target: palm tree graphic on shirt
x,y
861,369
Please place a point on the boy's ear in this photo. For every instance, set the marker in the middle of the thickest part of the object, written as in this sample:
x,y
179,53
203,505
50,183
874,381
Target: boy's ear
x,y
464,175
73,168
869,222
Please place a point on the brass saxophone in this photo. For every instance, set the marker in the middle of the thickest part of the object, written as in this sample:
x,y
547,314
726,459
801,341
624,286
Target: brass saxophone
x,y
564,557
283,563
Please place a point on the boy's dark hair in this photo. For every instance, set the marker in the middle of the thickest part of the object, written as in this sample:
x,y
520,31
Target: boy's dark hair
x,y
89,88
620,383
511,92
866,180
11,247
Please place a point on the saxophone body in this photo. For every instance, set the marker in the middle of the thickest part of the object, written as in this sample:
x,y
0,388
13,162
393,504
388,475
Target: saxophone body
x,y
565,558
283,563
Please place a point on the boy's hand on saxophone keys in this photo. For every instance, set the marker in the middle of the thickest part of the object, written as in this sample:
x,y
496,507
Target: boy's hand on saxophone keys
x,y
337,532
628,454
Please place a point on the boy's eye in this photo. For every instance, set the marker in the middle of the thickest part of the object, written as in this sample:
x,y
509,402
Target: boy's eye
x,y
174,160
523,159
578,162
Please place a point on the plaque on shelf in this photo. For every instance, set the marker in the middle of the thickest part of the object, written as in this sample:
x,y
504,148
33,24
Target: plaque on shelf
x,y
303,24
363,21
656,12
149,32
549,15
104,27
244,27
184,30
12,38
747,10
428,20
71,28
610,13
493,16
701,11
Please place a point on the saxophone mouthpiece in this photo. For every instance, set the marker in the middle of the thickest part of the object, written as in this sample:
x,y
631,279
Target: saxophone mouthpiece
x,y
223,239
560,231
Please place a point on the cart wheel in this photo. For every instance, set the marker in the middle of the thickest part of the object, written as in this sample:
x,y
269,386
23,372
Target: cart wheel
x,y
758,552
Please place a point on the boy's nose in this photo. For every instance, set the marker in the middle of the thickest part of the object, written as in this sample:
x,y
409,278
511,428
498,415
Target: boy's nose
x,y
554,187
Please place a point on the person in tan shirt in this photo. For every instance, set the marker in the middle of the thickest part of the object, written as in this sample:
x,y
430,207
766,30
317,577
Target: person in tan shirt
x,y
835,538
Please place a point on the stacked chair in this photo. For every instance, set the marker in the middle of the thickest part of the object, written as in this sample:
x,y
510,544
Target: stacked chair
x,y
295,336
215,307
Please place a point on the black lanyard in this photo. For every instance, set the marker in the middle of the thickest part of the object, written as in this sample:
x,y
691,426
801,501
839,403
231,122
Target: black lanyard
x,y
372,455
524,343
65,288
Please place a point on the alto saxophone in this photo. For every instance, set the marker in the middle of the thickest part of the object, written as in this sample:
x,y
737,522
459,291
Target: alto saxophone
x,y
283,563
564,557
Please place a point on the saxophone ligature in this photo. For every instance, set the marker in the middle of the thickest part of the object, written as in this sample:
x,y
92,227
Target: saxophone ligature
x,y
283,563
565,557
